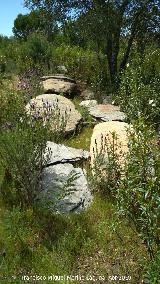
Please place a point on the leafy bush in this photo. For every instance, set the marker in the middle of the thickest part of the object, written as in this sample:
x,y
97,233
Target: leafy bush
x,y
2,64
138,196
84,65
29,83
153,270
34,53
107,167
22,145
132,180
9,51
139,94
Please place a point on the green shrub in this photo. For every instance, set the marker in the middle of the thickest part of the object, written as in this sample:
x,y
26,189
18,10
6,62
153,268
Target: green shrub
x,y
139,94
34,53
22,144
9,50
2,64
138,196
133,181
84,65
107,167
29,83
153,270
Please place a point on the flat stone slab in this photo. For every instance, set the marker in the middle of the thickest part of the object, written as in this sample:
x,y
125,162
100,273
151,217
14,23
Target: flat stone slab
x,y
107,112
58,84
60,153
59,179
59,77
46,106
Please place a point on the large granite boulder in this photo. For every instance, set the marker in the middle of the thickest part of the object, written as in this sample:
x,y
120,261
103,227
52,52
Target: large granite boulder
x,y
65,188
58,84
59,110
59,153
107,112
102,138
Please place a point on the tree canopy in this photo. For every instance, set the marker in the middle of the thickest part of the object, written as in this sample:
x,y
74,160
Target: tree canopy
x,y
106,22
35,21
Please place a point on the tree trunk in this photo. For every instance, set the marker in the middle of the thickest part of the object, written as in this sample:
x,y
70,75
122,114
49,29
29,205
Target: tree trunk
x,y
128,49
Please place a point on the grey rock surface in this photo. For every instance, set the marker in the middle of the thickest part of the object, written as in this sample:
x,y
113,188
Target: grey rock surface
x,y
63,154
107,112
65,188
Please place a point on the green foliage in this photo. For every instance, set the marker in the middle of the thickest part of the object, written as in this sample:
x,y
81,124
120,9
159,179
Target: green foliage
x,y
107,167
8,55
57,245
138,196
22,146
139,94
103,23
2,64
153,270
84,65
35,52
33,22
22,143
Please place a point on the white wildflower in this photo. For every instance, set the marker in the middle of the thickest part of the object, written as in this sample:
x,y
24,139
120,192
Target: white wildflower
x,y
151,102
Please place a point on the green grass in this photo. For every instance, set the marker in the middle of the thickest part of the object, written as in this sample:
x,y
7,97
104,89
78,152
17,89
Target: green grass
x,y
77,244
82,140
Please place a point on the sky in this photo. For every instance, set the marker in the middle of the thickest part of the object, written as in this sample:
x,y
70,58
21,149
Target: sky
x,y
9,9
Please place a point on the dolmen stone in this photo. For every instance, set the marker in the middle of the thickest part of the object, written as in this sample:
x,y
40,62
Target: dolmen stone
x,y
64,186
58,84
102,139
107,112
103,112
60,111
59,153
